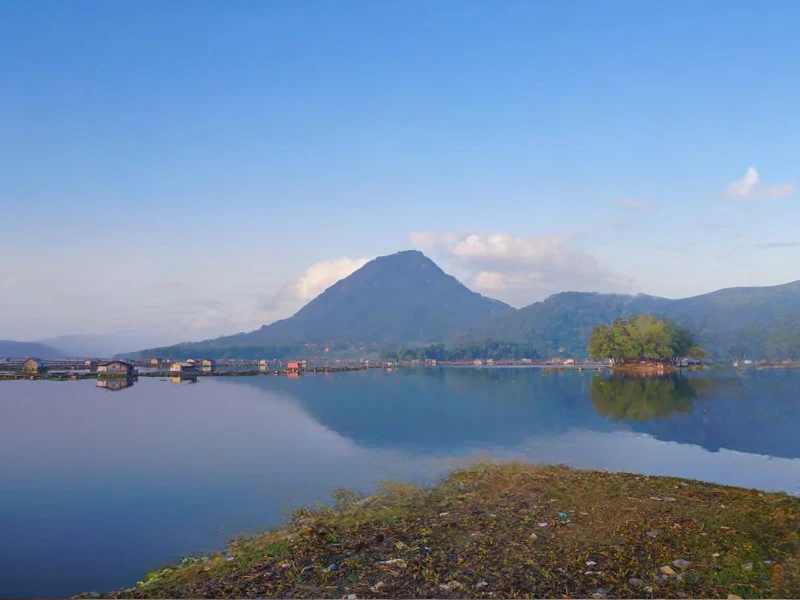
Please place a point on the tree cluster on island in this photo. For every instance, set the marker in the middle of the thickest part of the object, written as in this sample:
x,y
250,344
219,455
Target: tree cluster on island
x,y
643,338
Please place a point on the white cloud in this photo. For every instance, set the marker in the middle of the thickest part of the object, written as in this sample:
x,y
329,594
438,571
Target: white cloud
x,y
317,278
779,191
521,270
750,187
201,319
636,205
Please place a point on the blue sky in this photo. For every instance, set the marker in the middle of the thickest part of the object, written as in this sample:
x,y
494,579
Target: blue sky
x,y
190,169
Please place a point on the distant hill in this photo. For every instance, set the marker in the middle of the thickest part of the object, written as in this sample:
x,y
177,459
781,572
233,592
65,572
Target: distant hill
x,y
757,322
12,349
99,345
401,298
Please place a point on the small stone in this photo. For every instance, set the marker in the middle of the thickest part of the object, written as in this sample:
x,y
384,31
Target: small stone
x,y
481,584
734,597
649,589
681,564
542,524
635,583
451,586
715,555
377,586
444,514
667,570
590,563
352,597
651,534
395,562
668,499
747,566
655,498
601,593
767,562
682,595
534,537
688,577
401,546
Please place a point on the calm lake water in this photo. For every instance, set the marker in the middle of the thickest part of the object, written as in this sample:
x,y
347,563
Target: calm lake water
x,y
98,486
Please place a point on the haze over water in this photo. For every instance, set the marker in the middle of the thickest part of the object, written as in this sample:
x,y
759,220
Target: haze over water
x,y
97,487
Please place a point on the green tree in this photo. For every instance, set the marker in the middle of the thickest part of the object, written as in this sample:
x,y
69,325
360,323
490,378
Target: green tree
x,y
643,337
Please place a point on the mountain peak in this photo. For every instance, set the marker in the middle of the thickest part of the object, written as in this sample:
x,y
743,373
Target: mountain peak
x,y
400,298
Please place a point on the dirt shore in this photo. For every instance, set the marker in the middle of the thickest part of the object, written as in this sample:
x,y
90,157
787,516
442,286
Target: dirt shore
x,y
513,530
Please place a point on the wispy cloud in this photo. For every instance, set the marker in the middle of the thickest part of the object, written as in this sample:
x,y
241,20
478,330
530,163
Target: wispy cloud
x,y
714,226
519,269
171,283
194,319
750,187
778,245
316,279
620,223
637,205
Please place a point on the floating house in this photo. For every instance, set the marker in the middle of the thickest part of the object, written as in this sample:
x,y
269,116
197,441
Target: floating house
x,y
116,367
182,367
293,367
34,365
90,365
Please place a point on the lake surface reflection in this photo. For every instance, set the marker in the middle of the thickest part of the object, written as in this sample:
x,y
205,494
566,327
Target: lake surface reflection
x,y
98,488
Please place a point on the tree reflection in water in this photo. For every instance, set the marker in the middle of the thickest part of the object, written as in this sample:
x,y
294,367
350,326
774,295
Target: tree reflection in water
x,y
644,398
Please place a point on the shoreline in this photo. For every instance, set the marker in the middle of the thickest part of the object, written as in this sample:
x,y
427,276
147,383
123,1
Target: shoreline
x,y
510,530
646,368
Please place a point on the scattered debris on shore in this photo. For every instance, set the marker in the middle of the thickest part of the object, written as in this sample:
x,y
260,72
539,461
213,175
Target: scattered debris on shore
x,y
513,530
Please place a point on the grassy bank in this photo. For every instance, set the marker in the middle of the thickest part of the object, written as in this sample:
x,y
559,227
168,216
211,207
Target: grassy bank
x,y
514,530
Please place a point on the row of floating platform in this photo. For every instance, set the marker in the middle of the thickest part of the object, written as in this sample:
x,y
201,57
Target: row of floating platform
x,y
73,376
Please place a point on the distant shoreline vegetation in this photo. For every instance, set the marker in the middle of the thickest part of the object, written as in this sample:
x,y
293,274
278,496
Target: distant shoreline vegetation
x,y
482,349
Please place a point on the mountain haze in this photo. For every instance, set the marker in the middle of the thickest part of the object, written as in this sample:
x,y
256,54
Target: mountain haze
x,y
12,349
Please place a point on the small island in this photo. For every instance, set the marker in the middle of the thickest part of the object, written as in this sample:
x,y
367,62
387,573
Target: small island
x,y
644,344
